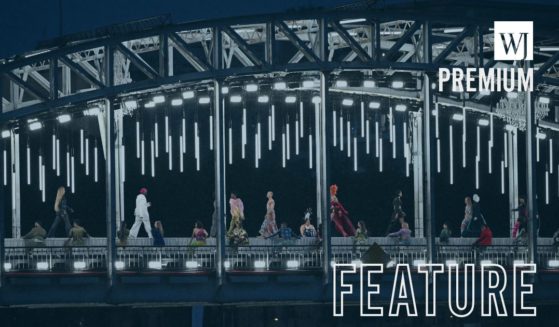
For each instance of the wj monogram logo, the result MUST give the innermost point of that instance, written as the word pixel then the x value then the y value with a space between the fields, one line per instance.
pixel 513 40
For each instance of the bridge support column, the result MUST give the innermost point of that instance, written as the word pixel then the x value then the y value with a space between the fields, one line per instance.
pixel 2 221
pixel 322 176
pixel 530 173
pixel 417 144
pixel 512 165
pixel 219 159
pixel 16 186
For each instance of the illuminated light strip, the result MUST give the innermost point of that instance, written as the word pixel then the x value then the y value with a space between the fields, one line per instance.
pixel 197 144
pixel 502 177
pixel 230 145
pixel 138 139
pixel 288 141
pixel 301 116
pixel 537 149
pixel 269 132
pixel 123 163
pixel 170 153
pixel 81 147
pixel 43 194
pixel 181 157
pixel 259 129
pixel 391 119
pixel 310 151
pixel 354 153
pixel 436 119
pixel 550 155
pixel 334 127
pixel 156 138
pixel 341 132
pixel 438 155
pixel 380 155
pixel 166 133
pixel 506 142
pixel 451 154
pixel 183 127
pixel 464 137
pixel 96 163
pixel 367 137
pixel 490 147
pixel 376 139
pixel 211 132
pixel 53 151
pixel 72 174
pixel 362 119
pixel 348 137
pixel 67 167
pixel 546 187
pixel 273 123
pixel 28 165
pixel 297 137
pixel 405 138
pixel 244 133
pixel 87 156
pixel 143 156
pixel 5 159
pixel 393 141
pixel 152 157
pixel 283 149
pixel 40 165
pixel 57 156
pixel 256 150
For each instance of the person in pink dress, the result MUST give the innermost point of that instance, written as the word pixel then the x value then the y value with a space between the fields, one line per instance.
pixel 339 214
pixel 237 212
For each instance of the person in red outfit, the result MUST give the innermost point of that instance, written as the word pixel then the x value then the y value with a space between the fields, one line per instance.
pixel 485 237
pixel 339 214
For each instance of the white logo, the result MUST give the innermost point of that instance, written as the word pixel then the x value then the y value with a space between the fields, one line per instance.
pixel 513 40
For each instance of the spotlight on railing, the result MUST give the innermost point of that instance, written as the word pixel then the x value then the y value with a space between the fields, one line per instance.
pixel 204 100
pixel 225 90
pixel 176 102
pixel 451 262
pixel 358 263
pixel 401 107
pixel 119 265
pixel 35 126
pixel 64 118
pixel 341 83
pixel 227 264
pixel 418 262
pixel 159 99
pixel 263 99
pixel 483 122
pixel 397 84
pixel 154 265
pixel 374 105
pixel 290 99
pixel 541 135
pixel 280 86
pixel 347 102
pixel 94 111
pixel 458 117
pixel 188 94
pixel 251 87
pixel 7 266
pixel 131 104
pixel 369 84
pixel 553 263
pixel 79 265
pixel 543 100
pixel 293 264
pixel 308 84
pixel 5 134
pixel 42 265
pixel 519 262
pixel 236 98
pixel 259 264
pixel 149 104
pixel 191 264
pixel 316 99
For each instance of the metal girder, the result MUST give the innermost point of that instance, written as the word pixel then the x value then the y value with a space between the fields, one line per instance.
pixel 137 61
pixel 80 71
pixel 538 74
pixel 465 33
pixel 26 86
pixel 243 45
pixel 354 45
pixel 297 42
pixel 182 48
pixel 402 40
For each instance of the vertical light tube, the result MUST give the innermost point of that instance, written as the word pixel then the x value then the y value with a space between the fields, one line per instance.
pixel 230 145
pixel 546 187
pixel 81 146
pixel 391 119
pixel 296 137
pixel 43 193
pixel 183 123
pixel 256 150
pixel 138 139
pixel 362 119
pixel 394 141
pixel 288 142
pixel 376 139
pixel 367 136
pixel 341 131
pixel 506 147
pixel 335 130
pixel 283 150
pixel 170 153
pixel 438 155
pixel 302 131
pixel 72 175
pixel 53 151
pixel 57 156
pixel 436 119
pixel 152 157
pixel 354 153
pixel 273 123
pixel 537 149
pixel 310 151
pixel 451 154
pixel 156 138
pixel 405 138
pixel 143 156
pixel 40 172
pixel 181 157
pixel 348 137
pixel 87 156
pixel 211 132
pixel 28 165
pixel 96 162
pixel 490 147
pixel 502 176
pixel 67 167
pixel 477 174
pixel 269 132
pixel 123 163
pixel 166 133
pixel 478 145
pixel 380 155
pixel 5 165
pixel 244 133
pixel 197 144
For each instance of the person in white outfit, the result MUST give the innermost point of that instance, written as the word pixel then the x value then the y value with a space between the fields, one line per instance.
pixel 141 213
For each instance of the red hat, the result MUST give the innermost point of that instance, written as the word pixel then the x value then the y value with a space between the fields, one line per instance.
pixel 143 190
